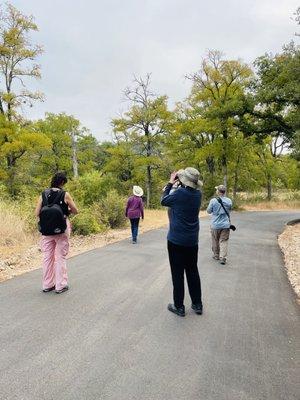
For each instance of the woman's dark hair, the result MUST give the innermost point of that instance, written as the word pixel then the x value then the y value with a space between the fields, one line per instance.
pixel 59 179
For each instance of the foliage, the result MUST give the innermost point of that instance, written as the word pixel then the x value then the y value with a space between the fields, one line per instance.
pixel 86 223
pixel 16 56
pixel 111 210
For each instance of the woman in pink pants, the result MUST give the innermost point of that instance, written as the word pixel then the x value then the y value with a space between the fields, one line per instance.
pixel 55 247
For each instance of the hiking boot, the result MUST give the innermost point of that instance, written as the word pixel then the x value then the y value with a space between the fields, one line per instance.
pixel 64 289
pixel 223 261
pixel 177 310
pixel 49 289
pixel 197 308
pixel 216 258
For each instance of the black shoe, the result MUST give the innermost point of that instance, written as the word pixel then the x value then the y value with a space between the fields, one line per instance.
pixel 197 308
pixel 49 289
pixel 223 261
pixel 64 289
pixel 176 310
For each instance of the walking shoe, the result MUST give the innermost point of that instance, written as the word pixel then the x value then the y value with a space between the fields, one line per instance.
pixel 216 258
pixel 134 242
pixel 49 289
pixel 64 289
pixel 177 310
pixel 197 308
pixel 223 261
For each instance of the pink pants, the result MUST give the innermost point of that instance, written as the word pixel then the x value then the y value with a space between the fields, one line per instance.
pixel 55 249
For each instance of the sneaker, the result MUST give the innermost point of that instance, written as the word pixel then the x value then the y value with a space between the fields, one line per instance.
pixel 197 308
pixel 223 261
pixel 216 258
pixel 134 242
pixel 177 310
pixel 64 289
pixel 49 289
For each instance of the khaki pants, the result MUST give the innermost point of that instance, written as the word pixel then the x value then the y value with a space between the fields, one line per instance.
pixel 220 242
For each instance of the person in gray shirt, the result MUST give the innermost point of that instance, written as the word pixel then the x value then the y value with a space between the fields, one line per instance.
pixel 220 223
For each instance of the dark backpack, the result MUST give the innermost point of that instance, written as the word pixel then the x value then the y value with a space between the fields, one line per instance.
pixel 52 219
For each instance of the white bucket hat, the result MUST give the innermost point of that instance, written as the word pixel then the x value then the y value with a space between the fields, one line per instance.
pixel 138 191
pixel 190 177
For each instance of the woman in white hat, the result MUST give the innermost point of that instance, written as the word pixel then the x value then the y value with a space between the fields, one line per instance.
pixel 135 211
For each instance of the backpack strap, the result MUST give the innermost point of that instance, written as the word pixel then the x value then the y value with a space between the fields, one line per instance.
pixel 56 200
pixel 219 200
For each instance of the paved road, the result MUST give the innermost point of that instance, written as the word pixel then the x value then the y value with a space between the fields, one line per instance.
pixel 111 337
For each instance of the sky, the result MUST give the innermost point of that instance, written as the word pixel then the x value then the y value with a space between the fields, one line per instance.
pixel 92 48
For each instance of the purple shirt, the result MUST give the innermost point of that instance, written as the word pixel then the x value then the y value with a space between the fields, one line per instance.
pixel 134 208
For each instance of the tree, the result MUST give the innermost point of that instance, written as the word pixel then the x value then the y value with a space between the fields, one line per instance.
pixel 219 97
pixel 17 142
pixel 64 131
pixel 17 55
pixel 277 97
pixel 144 127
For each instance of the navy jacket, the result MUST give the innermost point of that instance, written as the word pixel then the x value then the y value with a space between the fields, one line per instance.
pixel 184 205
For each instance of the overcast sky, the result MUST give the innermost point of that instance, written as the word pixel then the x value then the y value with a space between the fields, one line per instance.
pixel 93 47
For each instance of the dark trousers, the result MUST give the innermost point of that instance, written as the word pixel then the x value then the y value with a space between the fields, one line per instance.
pixel 183 258
pixel 134 227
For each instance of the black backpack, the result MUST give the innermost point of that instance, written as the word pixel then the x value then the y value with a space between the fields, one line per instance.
pixel 52 219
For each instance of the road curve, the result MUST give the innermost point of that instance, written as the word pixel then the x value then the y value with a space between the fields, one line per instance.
pixel 111 337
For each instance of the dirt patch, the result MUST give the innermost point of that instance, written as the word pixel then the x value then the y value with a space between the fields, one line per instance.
pixel 289 242
pixel 16 259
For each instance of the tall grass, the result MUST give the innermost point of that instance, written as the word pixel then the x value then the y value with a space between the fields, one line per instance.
pixel 281 199
pixel 14 226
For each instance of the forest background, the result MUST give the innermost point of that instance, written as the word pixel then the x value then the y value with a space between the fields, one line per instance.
pixel 240 125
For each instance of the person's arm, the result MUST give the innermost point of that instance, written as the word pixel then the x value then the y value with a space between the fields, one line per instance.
pixel 209 209
pixel 142 208
pixel 38 207
pixel 71 204
pixel 127 207
pixel 167 199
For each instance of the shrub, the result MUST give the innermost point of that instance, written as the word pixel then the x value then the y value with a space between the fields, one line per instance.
pixel 86 223
pixel 111 210
pixel 89 188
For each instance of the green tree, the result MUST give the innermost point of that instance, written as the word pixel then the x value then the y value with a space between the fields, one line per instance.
pixel 17 56
pixel 144 127
pixel 277 96
pixel 17 143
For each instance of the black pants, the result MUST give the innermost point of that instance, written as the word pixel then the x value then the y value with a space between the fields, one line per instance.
pixel 182 259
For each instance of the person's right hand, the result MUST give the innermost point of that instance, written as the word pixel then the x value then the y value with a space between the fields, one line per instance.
pixel 173 177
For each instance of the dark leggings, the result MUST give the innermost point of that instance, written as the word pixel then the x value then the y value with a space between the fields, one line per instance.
pixel 183 258
pixel 134 227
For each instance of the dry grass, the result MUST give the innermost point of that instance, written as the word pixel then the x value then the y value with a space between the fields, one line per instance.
pixel 13 234
pixel 272 205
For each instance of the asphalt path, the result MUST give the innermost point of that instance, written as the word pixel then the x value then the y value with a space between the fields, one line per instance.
pixel 111 336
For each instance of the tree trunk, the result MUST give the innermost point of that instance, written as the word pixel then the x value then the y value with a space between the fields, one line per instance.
pixel 269 187
pixel 74 156
pixel 225 172
pixel 148 185
pixel 236 178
